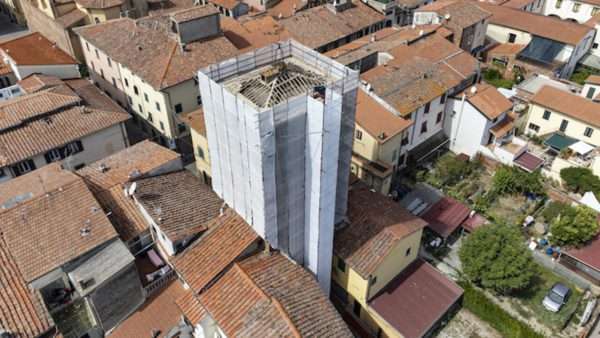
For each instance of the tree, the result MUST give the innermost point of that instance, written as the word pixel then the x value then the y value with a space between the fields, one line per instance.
pixel 451 170
pixel 495 256
pixel 580 179
pixel 511 180
pixel 574 226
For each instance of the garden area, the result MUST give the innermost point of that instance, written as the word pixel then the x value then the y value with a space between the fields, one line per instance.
pixel 494 77
pixel 581 73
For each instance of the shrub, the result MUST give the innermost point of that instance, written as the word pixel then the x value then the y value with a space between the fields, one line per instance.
pixel 494 256
pixel 580 179
pixel 574 226
pixel 511 180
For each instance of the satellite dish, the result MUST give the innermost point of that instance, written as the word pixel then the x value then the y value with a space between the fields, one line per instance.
pixel 131 189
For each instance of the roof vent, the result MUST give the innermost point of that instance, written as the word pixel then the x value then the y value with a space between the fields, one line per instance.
pixel 447 16
pixel 139 48
pixel 103 167
pixel 85 232
pixel 381 136
pixel 5 334
pixel 134 174
pixel 473 90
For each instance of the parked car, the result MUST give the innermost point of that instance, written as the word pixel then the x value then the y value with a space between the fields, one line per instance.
pixel 556 297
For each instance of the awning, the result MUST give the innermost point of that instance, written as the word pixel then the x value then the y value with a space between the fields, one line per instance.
pixel 446 216
pixel 528 161
pixel 589 199
pixel 559 142
pixel 581 147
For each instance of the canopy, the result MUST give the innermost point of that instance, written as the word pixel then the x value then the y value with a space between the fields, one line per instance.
pixel 581 147
pixel 559 142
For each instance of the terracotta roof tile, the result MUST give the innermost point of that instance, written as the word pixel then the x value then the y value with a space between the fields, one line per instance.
pixel 140 159
pixel 287 8
pixel 146 47
pixel 92 96
pixel 36 82
pixel 488 100
pixel 377 120
pixel 376 225
pixel 71 18
pixel 124 213
pixel 159 313
pixel 446 215
pixel 34 49
pixel 319 26
pixel 593 79
pixel 41 135
pixel 298 293
pixel 195 120
pixel 190 306
pixel 5 69
pixel 569 104
pixel 22 311
pixel 45 232
pixel 547 27
pixel 195 12
pixel 462 14
pixel 256 33
pixel 179 203
pixel 228 238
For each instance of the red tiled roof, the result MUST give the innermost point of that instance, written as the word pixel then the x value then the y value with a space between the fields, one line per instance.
pixel 528 161
pixel 35 49
pixel 191 307
pixel 414 301
pixel 22 311
pixel 124 213
pixel 588 254
pixel 199 264
pixel 446 215
pixel 159 313
pixel 376 225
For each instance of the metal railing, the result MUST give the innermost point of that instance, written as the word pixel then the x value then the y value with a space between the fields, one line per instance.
pixel 157 285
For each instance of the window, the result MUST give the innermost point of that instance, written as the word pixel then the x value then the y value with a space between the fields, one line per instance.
pixel 443 99
pixel 341 265
pixel 595 11
pixel 53 156
pixel 181 127
pixel 97 54
pixel 588 132
pixel 108 61
pixel 199 100
pixel 2 173
pixel 424 127
pixel 96 20
pixel 546 115
pixel 358 135
pixel 61 153
pixel 162 126
pixel 129 99
pixel 23 167
pixel 87 46
pixel 92 64
pixel 373 280
pixel 563 125
pixel 404 141
pixel 146 97
pixel 408 251
pixel 126 83
pixel 595 45
pixel 200 152
pixel 438 119
pixel 590 93
pixel 576 7
pixel 135 90
pixel 356 308
pixel 157 106
pixel 178 108
pixel 534 127
pixel 426 109
pixel 102 73
pixel 140 109
pixel 150 117
pixel 114 82
pixel 512 37
pixel 558 3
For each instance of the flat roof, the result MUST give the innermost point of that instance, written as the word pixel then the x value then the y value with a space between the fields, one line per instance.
pixel 417 299
pixel 529 161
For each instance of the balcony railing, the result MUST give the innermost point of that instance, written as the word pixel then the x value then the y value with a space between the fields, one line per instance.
pixel 157 285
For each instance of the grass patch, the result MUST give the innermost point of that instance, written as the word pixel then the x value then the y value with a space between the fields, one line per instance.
pixel 478 303
pixel 532 299
pixel 581 73
pixel 494 77
pixel 511 208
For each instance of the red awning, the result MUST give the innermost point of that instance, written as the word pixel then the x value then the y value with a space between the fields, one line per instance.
pixel 528 161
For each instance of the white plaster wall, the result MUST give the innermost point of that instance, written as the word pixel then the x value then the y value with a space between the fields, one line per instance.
pixel 465 126
pixel 566 10
pixel 419 117
pixel 500 34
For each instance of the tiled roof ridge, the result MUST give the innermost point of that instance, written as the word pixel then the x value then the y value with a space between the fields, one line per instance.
pixel 272 299
pixel 168 63
pixel 20 38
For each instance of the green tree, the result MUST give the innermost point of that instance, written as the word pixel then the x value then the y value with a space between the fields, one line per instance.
pixel 451 170
pixel 494 256
pixel 574 226
pixel 511 180
pixel 580 179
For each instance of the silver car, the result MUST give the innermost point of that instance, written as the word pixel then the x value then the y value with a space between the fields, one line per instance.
pixel 556 297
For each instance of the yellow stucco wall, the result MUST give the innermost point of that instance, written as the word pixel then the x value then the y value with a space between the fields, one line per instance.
pixel 367 146
pixel 199 141
pixel 575 128
pixel 359 289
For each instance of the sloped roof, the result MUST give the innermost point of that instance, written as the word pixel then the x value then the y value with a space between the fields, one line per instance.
pixel 488 100
pixel 22 310
pixel 45 231
pixel 179 203
pixel 130 163
pixel 544 26
pixel 445 216
pixel 377 120
pixel 570 104
pixel 99 4
pixel 36 82
pixel 34 49
pixel 146 47
pixel 318 26
pixel 206 258
pixel 462 14
pixel 124 213
pixel 376 224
